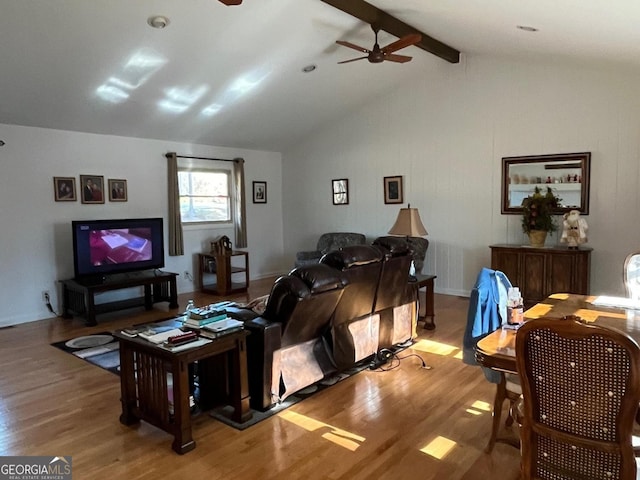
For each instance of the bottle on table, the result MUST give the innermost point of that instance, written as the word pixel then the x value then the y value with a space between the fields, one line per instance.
pixel 515 307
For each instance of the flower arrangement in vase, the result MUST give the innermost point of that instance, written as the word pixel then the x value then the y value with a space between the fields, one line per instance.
pixel 537 218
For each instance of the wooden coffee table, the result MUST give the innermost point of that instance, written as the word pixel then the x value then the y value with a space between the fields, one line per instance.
pixel 145 369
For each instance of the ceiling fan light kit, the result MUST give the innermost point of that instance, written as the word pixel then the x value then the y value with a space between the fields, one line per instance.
pixel 379 55
pixel 374 16
pixel 229 3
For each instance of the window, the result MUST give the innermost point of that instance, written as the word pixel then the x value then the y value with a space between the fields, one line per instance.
pixel 204 195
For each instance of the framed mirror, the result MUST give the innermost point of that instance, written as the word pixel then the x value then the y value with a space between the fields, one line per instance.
pixel 566 173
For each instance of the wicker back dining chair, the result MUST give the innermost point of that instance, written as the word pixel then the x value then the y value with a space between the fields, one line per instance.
pixel 581 390
pixel 632 275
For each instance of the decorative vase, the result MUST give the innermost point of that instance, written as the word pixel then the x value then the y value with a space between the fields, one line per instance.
pixel 537 238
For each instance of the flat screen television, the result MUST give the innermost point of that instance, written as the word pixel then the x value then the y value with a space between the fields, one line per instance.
pixel 105 247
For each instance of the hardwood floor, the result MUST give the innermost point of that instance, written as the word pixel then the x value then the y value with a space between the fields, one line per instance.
pixel 407 423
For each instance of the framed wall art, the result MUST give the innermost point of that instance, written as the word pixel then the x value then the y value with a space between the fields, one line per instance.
pixel 259 192
pixel 92 187
pixel 64 189
pixel 340 188
pixel 117 190
pixel 393 189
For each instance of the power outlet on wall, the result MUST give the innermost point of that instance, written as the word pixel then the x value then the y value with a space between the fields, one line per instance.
pixel 187 275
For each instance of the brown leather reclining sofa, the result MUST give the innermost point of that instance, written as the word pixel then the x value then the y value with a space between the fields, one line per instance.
pixel 327 317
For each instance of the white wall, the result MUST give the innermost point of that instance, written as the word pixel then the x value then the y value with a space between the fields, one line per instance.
pixel 446 133
pixel 36 250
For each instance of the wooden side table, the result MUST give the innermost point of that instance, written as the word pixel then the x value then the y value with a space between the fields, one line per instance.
pixel 426 282
pixel 223 268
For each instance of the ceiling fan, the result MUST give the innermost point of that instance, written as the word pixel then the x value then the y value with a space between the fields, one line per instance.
pixel 379 55
pixel 231 2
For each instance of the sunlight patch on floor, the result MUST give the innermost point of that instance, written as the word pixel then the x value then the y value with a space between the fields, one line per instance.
pixel 437 348
pixel 478 408
pixel 340 437
pixel 439 447
pixel 481 405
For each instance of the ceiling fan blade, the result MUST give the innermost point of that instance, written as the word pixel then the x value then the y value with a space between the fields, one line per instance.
pixel 397 58
pixel 353 59
pixel 231 2
pixel 402 43
pixel 352 45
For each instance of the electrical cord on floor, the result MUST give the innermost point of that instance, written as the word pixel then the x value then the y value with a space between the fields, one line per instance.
pixel 424 364
pixel 47 302
pixel 385 356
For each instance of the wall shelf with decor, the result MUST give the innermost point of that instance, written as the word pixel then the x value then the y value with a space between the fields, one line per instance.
pixel 560 187
pixel 569 192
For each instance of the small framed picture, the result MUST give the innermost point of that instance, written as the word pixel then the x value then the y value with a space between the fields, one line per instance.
pixel 393 190
pixel 117 190
pixel 340 189
pixel 64 189
pixel 92 187
pixel 259 192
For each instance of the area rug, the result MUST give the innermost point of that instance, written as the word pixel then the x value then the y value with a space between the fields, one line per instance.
pixel 223 413
pixel 101 349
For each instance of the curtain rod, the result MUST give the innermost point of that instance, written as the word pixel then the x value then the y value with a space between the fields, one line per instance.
pixel 201 158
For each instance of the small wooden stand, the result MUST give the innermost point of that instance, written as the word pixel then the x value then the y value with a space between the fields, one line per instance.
pixel 220 266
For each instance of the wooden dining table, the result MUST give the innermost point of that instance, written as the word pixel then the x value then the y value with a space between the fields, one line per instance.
pixel 498 349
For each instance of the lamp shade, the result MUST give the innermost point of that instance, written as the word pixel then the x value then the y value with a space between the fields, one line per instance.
pixel 408 223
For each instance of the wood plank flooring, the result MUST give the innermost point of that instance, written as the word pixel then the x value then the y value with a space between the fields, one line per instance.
pixel 405 423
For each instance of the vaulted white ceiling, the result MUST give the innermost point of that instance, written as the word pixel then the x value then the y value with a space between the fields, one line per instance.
pixel 232 76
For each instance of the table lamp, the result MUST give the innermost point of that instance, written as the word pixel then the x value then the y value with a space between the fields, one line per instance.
pixel 408 224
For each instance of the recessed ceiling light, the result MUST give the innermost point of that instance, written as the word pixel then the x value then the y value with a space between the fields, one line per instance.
pixel 309 68
pixel 158 21
pixel 526 28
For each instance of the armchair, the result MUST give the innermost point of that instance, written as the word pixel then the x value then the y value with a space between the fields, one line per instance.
pixel 417 245
pixel 329 242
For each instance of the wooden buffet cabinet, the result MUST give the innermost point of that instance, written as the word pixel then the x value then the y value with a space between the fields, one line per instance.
pixel 540 272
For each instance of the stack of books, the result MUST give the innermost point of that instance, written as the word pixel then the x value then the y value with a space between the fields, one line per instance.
pixel 220 328
pixel 199 317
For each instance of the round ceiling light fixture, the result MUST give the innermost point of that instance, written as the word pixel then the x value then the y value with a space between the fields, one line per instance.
pixel 309 68
pixel 526 28
pixel 158 21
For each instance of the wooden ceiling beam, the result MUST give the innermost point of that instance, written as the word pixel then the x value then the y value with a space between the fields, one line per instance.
pixel 373 15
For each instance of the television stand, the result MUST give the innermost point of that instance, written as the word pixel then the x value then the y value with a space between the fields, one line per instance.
pixel 78 295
